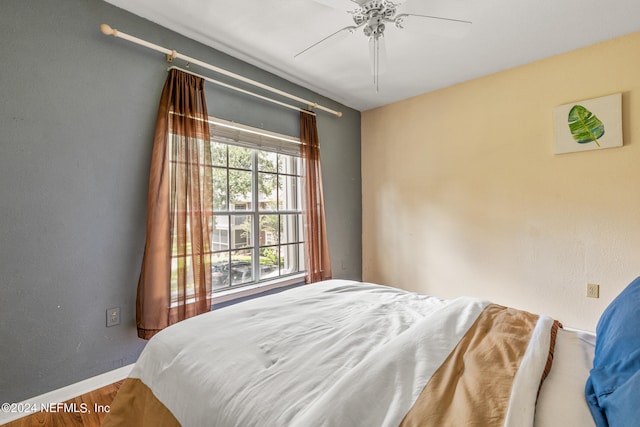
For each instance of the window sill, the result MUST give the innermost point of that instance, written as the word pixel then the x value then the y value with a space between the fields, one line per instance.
pixel 245 291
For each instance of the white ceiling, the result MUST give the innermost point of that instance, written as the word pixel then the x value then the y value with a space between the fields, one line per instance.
pixel 504 34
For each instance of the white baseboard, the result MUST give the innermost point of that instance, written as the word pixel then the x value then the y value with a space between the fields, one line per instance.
pixel 63 394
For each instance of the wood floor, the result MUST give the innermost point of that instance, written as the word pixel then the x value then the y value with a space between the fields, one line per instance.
pixel 87 410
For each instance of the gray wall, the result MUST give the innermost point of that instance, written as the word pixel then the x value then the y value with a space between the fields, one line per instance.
pixel 77 114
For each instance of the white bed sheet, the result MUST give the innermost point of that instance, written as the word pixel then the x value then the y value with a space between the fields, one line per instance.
pixel 561 401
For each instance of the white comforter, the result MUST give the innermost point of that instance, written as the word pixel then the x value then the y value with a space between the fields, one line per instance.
pixel 337 353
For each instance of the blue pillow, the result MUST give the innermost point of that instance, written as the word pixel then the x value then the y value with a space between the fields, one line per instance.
pixel 613 387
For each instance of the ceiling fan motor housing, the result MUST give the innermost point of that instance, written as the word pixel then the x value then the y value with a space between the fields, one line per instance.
pixel 374 13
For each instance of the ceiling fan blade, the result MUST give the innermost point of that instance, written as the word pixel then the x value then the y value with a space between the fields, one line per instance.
pixel 448 27
pixel 343 31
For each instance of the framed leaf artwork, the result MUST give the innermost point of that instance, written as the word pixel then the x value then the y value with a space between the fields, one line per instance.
pixel 592 124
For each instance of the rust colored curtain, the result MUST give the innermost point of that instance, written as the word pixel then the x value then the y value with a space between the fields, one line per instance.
pixel 175 279
pixel 318 263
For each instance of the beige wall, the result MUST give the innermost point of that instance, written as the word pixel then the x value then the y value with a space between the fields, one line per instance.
pixel 462 194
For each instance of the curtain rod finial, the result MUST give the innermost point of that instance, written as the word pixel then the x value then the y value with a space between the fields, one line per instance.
pixel 107 30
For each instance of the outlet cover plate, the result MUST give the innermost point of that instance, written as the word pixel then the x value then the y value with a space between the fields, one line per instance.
pixel 593 290
pixel 113 316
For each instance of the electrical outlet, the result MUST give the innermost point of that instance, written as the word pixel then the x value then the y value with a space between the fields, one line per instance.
pixel 593 290
pixel 113 316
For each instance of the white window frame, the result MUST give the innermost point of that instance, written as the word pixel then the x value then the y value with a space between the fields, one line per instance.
pixel 232 133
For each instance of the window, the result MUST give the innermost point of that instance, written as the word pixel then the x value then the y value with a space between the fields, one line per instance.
pixel 256 225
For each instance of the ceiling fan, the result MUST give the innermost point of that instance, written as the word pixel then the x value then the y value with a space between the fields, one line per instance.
pixel 372 16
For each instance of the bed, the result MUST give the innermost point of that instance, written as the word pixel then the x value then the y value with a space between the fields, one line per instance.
pixel 346 353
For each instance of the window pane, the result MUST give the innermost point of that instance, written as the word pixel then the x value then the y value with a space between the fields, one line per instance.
pixel 291 259
pixel 289 196
pixel 220 189
pixel 267 162
pixel 291 228
pixel 268 230
pixel 269 261
pixel 241 270
pixel 239 189
pixel 241 231
pixel 181 267
pixel 239 157
pixel 289 164
pixel 219 154
pixel 220 270
pixel 220 233
pixel 174 278
pixel 268 193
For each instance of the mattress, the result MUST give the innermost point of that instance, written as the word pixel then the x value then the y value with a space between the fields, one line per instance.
pixel 562 401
